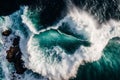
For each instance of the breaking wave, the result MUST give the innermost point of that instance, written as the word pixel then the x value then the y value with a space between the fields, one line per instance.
pixel 63 50
pixel 48 57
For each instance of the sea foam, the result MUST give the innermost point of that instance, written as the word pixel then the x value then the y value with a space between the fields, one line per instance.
pixel 98 36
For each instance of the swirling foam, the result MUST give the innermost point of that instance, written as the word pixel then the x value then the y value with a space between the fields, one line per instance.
pixel 99 35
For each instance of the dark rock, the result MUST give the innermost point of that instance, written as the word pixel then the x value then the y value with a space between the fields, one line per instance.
pixel 11 53
pixel 14 50
pixel 19 66
pixel 6 32
pixel 14 55
pixel 16 41
pixel 9 56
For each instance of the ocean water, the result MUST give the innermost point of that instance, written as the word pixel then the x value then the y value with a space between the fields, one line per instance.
pixel 82 43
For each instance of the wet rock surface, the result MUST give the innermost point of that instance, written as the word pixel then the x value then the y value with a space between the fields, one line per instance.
pixel 6 32
pixel 16 41
pixel 14 53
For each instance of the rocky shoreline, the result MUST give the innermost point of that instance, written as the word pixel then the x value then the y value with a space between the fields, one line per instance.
pixel 14 53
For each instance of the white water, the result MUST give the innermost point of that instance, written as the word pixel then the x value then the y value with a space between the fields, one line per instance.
pixel 12 22
pixel 99 35
pixel 5 44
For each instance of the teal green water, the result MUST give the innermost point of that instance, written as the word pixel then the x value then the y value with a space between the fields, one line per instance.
pixel 52 38
pixel 21 28
pixel 34 18
pixel 2 76
pixel 65 28
pixel 107 68
pixel 1 70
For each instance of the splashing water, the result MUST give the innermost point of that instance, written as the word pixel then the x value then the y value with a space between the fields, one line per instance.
pixel 81 23
pixel 73 47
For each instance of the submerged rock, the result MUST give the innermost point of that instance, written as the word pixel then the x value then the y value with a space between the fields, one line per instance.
pixel 6 32
pixel 20 69
pixel 16 41
pixel 11 53
pixel 14 55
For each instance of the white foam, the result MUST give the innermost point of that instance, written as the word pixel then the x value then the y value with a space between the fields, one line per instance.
pixel 13 22
pixel 27 21
pixel 31 25
pixel 5 23
pixel 99 35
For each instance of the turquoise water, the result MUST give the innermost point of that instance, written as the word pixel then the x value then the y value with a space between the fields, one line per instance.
pixel 52 38
pixel 33 16
pixel 65 28
pixel 107 68
pixel 2 76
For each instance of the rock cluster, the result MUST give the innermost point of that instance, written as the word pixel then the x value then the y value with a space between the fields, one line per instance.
pixel 14 53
